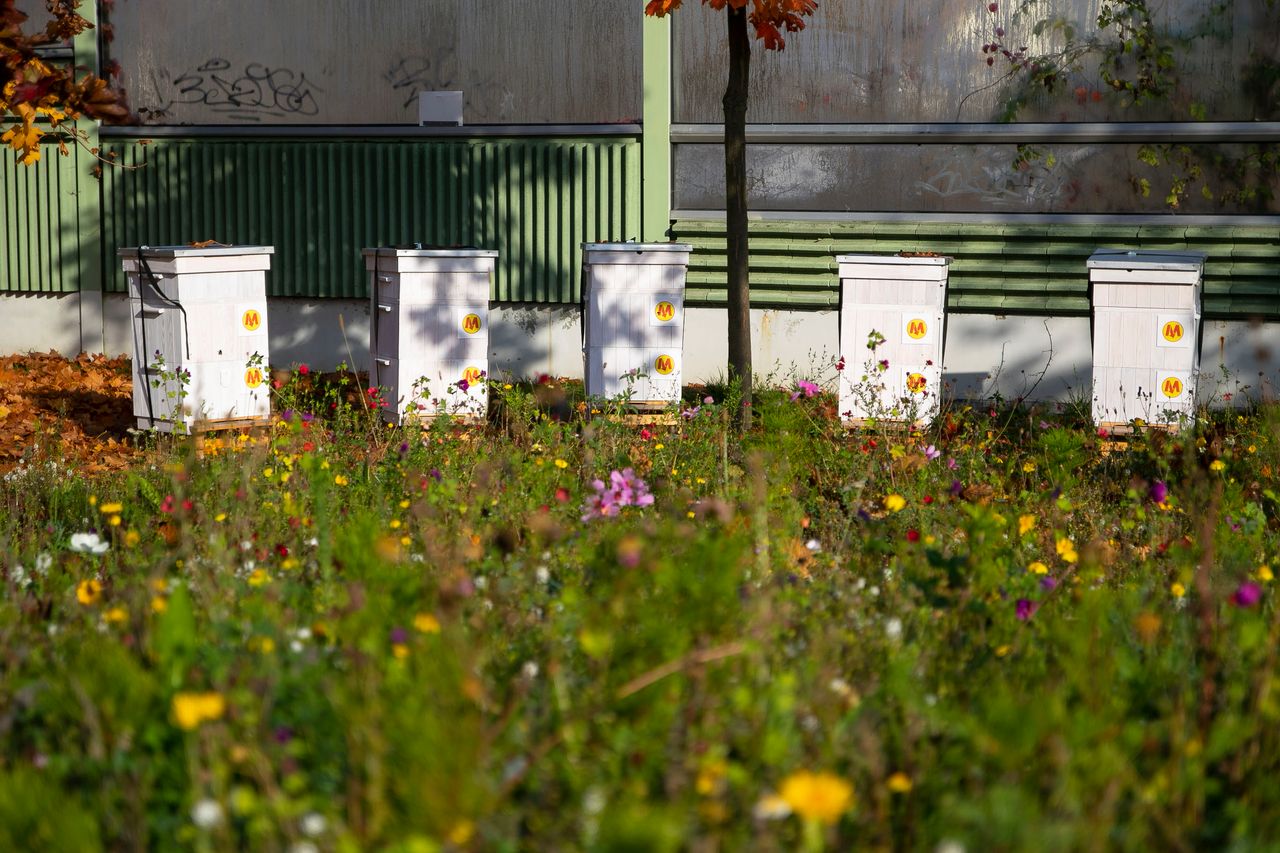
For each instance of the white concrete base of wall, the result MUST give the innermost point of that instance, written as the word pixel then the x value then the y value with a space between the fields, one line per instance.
pixel 1013 357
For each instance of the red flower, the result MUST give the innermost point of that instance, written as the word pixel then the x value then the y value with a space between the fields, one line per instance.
pixel 303 369
pixel 562 494
pixel 308 446
pixel 282 550
pixel 928 499
pixel 913 535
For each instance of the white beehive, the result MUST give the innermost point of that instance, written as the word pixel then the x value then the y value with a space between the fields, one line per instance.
pixel 903 300
pixel 1146 334
pixel 429 331
pixel 633 320
pixel 202 312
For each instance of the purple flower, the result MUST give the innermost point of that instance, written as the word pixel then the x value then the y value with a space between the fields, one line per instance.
pixel 623 489
pixel 286 415
pixel 952 464
pixel 690 414
pixel 1247 595
pixel 1158 491
pixel 956 488
pixel 931 453
pixel 709 400
pixel 1024 608
pixel 462 384
pixel 1048 583
pixel 399 635
pixel 805 388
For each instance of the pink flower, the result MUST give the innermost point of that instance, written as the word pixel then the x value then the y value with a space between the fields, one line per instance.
pixel 623 489
pixel 805 388
pixel 1247 595
pixel 1024 608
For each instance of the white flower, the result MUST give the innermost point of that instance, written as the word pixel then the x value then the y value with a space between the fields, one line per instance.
pixel 18 575
pixel 771 807
pixel 313 824
pixel 304 847
pixel 813 545
pixel 542 575
pixel 206 814
pixel 529 670
pixel 893 628
pixel 43 562
pixel 88 543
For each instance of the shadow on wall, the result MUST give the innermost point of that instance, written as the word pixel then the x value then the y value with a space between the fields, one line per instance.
pixel 1012 357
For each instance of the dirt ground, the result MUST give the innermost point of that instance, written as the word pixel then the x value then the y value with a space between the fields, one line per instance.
pixel 76 409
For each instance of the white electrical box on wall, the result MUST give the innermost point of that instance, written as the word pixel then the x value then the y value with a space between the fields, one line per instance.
pixel 900 302
pixel 200 345
pixel 633 320
pixel 440 108
pixel 1146 335
pixel 429 330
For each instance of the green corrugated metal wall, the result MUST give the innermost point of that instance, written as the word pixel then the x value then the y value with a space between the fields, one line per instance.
pixel 39 221
pixel 320 202
pixel 1003 269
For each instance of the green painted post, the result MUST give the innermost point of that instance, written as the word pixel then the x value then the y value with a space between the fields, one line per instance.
pixel 656 139
pixel 88 189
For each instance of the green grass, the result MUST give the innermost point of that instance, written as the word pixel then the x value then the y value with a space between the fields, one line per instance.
pixel 342 636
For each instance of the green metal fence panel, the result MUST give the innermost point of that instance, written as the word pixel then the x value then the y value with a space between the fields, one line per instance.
pixel 1003 269
pixel 39 220
pixel 319 202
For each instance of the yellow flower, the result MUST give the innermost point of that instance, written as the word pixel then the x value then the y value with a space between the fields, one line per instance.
pixel 899 783
pixel 461 833
pixel 116 615
pixel 131 538
pixel 817 796
pixel 1178 590
pixel 426 623
pixel 1217 465
pixel 268 472
pixel 114 521
pixel 159 604
pixel 1265 573
pixel 1028 467
pixel 192 709
pixel 560 463
pixel 1026 523
pixel 1067 550
pixel 340 480
pixel 113 508
pixel 404 504
pixel 1038 568
pixel 400 650
pixel 659 446
pixel 258 577
pixel 88 591
pixel 894 502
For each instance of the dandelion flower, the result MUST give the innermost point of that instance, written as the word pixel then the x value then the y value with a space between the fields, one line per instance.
pixel 426 623
pixel 1067 550
pixel 190 710
pixel 894 502
pixel 88 591
pixel 113 508
pixel 1217 465
pixel 899 783
pixel 1026 523
pixel 821 796
pixel 1177 590
pixel 1038 568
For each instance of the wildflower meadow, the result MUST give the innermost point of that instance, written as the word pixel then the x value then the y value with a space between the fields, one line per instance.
pixel 561 629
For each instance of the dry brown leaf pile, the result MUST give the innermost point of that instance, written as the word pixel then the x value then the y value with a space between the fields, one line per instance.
pixel 76 408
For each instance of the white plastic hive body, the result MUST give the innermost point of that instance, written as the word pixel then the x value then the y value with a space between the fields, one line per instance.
pixel 1146 334
pixel 218 335
pixel 633 320
pixel 430 330
pixel 902 300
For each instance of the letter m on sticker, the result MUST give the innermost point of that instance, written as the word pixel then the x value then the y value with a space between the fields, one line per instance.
pixel 917 329
pixel 251 319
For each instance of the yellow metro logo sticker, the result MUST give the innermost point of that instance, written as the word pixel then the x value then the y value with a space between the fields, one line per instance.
pixel 664 364
pixel 472 375
pixel 664 311
pixel 253 377
pixel 1172 331
pixel 915 382
pixel 471 324
pixel 1171 387
pixel 917 329
pixel 251 320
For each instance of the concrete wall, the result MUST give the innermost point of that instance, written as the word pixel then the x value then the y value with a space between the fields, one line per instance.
pixel 1037 358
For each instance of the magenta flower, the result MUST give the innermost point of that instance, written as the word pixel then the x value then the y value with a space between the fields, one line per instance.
pixel 1024 608
pixel 1158 491
pixel 805 388
pixel 931 453
pixel 1247 595
pixel 623 489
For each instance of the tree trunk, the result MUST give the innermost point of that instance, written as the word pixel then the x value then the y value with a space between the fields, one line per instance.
pixel 735 191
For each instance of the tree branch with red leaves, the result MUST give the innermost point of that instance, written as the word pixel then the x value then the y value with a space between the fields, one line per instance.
pixel 32 88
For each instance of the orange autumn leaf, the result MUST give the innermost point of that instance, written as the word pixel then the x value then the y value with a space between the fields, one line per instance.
pixel 768 17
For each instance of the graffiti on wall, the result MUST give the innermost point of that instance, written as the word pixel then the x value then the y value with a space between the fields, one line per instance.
pixel 249 92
